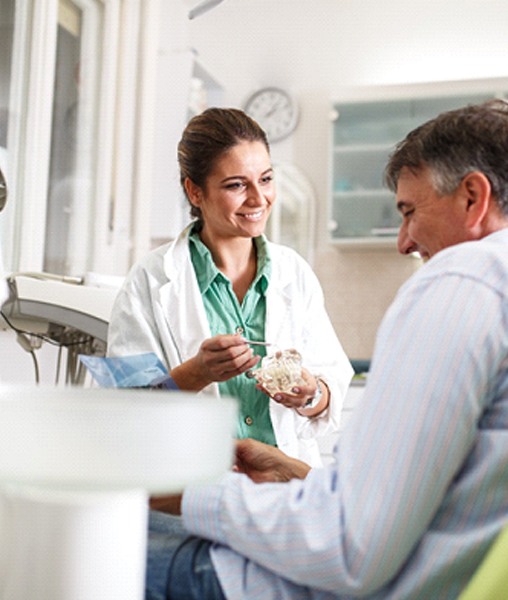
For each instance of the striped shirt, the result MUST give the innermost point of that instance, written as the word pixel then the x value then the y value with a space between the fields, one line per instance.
pixel 419 487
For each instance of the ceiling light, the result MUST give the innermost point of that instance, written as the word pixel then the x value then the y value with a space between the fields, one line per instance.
pixel 203 7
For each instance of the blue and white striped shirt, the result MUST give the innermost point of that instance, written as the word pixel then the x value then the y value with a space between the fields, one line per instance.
pixel 419 487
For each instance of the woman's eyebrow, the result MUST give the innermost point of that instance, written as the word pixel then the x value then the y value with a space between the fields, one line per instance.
pixel 229 177
pixel 232 177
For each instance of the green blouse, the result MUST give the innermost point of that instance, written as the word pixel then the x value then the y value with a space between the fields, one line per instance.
pixel 226 315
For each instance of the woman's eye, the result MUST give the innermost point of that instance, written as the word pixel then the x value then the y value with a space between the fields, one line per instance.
pixel 267 179
pixel 235 185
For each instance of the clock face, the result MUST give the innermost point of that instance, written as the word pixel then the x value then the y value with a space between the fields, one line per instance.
pixel 275 111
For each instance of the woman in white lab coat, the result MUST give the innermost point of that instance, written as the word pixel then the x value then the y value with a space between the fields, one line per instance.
pixel 195 301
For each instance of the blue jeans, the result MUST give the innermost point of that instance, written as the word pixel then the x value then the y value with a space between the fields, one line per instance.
pixel 179 566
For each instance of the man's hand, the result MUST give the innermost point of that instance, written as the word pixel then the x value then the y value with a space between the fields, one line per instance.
pixel 261 462
pixel 264 463
pixel 167 504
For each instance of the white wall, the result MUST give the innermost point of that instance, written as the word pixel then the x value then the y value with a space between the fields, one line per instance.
pixel 17 365
pixel 326 45
pixel 174 70
pixel 320 49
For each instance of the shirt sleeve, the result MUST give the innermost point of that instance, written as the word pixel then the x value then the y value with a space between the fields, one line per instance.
pixel 350 527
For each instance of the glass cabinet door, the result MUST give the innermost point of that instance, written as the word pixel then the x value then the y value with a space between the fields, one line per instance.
pixel 364 134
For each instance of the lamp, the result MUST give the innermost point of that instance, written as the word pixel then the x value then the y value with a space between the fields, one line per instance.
pixel 203 7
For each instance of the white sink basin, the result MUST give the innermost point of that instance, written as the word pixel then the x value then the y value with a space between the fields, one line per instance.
pixel 74 438
pixel 76 468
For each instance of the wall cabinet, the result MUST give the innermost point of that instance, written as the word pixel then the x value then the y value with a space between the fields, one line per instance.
pixel 364 133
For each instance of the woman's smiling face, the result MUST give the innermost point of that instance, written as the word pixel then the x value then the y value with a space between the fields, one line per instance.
pixel 239 192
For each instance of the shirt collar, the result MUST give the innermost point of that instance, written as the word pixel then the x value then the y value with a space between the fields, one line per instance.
pixel 207 272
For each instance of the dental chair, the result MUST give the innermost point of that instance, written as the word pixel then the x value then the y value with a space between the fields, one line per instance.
pixel 490 581
pixel 68 312
pixel 71 313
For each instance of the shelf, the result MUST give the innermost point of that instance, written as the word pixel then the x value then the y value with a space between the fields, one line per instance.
pixel 365 244
pixel 363 148
pixel 367 193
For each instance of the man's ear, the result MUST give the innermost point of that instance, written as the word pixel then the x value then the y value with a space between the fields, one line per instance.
pixel 193 191
pixel 478 191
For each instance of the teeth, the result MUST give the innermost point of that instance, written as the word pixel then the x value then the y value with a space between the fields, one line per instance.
pixel 254 216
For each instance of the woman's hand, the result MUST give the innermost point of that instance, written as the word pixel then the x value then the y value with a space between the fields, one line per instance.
pixel 219 358
pixel 301 394
pixel 264 463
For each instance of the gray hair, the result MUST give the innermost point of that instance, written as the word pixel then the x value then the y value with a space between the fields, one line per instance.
pixel 455 143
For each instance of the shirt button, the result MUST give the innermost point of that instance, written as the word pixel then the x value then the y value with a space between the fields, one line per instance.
pixel 249 420
pixel 239 329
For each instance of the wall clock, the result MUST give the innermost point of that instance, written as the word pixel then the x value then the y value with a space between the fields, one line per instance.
pixel 275 110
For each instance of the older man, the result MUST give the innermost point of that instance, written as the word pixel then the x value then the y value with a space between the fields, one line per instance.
pixel 419 487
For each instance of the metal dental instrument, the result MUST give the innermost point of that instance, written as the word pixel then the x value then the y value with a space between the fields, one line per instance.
pixel 254 343
pixel 249 373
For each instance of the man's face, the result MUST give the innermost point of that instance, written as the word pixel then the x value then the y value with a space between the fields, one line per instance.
pixel 430 222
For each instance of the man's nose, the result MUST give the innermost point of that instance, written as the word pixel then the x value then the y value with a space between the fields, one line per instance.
pixel 405 243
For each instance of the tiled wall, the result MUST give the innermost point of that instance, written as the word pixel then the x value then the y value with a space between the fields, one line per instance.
pixel 359 285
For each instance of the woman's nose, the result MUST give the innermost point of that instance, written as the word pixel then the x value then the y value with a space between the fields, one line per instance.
pixel 255 195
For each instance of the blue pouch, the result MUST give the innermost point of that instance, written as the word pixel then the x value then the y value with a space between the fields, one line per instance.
pixel 138 371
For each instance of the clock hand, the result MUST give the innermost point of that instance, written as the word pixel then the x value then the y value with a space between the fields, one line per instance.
pixel 274 107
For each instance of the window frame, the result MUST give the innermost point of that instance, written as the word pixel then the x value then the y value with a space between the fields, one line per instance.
pixel 123 91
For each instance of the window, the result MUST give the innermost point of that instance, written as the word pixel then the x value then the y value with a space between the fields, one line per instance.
pixel 75 101
pixel 71 153
pixel 6 37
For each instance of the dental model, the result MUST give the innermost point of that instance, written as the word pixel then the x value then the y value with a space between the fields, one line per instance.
pixel 279 372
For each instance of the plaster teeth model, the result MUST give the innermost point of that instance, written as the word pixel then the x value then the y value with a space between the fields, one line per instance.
pixel 280 372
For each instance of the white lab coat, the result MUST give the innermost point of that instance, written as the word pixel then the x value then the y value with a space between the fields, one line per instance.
pixel 159 309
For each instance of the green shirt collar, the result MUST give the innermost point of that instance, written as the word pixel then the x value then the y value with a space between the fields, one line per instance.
pixel 207 271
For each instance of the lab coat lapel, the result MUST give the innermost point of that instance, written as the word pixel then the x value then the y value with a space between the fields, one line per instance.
pixel 278 309
pixel 181 301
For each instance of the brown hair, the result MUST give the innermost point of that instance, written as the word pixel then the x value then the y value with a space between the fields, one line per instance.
pixel 207 137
